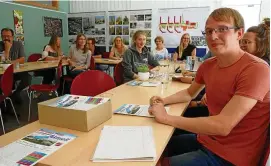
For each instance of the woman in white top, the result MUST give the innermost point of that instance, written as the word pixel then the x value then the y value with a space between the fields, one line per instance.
pixel 118 49
pixel 51 52
pixel 160 52
pixel 79 55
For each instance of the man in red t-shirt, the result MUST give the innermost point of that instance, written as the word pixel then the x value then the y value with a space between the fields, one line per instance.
pixel 237 88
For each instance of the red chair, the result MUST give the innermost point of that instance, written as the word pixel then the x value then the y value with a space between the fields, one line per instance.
pixel 45 87
pixel 92 83
pixel 6 87
pixel 70 79
pixel 118 74
pixel 34 57
pixel 105 54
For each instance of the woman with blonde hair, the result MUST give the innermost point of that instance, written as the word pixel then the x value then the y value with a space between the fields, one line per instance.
pixel 51 52
pixel 185 48
pixel 79 55
pixel 160 52
pixel 137 55
pixel 118 49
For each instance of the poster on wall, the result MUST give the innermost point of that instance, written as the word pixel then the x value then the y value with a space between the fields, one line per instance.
pixel 126 23
pixel 91 24
pixel 52 26
pixel 18 22
pixel 173 23
pixel 20 38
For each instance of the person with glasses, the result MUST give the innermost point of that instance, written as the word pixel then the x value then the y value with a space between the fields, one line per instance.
pixel 185 48
pixel 14 51
pixel 237 88
pixel 160 52
pixel 256 41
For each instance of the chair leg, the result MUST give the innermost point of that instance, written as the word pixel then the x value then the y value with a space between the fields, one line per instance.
pixel 5 103
pixel 63 86
pixel 2 122
pixel 29 107
pixel 13 110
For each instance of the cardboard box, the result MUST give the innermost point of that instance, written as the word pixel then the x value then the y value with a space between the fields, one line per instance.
pixel 74 118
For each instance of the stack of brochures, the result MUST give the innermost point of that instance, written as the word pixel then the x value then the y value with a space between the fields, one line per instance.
pixel 125 143
pixel 78 102
pixel 135 109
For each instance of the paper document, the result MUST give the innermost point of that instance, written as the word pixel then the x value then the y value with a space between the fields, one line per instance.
pixel 134 109
pixel 125 143
pixel 79 102
pixel 33 148
pixel 146 84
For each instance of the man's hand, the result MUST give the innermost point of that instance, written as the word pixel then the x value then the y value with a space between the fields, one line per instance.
pixel 7 45
pixel 156 99
pixel 204 100
pixel 159 112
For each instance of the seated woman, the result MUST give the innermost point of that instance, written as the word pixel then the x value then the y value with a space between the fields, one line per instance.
pixel 160 52
pixel 51 52
pixel 137 55
pixel 118 49
pixel 185 48
pixel 256 41
pixel 79 55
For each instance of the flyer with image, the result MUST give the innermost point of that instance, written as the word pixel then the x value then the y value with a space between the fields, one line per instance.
pixel 78 102
pixel 134 109
pixel 33 148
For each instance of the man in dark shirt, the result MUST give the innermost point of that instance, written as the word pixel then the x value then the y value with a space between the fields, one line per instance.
pixel 14 51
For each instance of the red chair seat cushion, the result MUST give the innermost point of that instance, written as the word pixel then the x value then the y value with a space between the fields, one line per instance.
pixel 43 87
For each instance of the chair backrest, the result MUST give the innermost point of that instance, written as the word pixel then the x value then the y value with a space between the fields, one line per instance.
pixel 34 57
pixel 106 54
pixel 7 81
pixel 58 73
pixel 92 83
pixel 118 74
pixel 92 63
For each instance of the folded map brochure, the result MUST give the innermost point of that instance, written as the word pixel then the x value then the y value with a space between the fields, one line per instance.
pixel 34 147
pixel 147 84
pixel 125 143
pixel 134 109
pixel 79 102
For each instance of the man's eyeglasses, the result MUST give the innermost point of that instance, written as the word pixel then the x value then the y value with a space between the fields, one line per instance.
pixel 6 36
pixel 219 30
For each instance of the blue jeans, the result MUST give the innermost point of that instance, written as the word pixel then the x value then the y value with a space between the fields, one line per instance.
pixel 75 73
pixel 185 150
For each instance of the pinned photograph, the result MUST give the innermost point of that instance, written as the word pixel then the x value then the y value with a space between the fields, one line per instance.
pixel 147 25
pixel 88 25
pixel 75 25
pixel 125 40
pixel 18 22
pixel 148 42
pixel 133 17
pixel 125 20
pixel 52 26
pixel 125 30
pixel 112 30
pixel 111 40
pixel 99 20
pixel 100 31
pixel 140 17
pixel 133 25
pixel 112 20
pixel 20 38
pixel 147 17
pixel 118 30
pixel 100 40
pixel 118 20
pixel 148 33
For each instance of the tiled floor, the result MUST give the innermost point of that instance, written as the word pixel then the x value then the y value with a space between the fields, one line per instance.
pixel 10 122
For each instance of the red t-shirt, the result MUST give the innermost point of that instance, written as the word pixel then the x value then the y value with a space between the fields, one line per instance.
pixel 249 77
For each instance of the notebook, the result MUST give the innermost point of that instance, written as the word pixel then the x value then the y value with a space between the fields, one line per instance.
pixel 125 143
pixel 135 109
pixel 146 84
